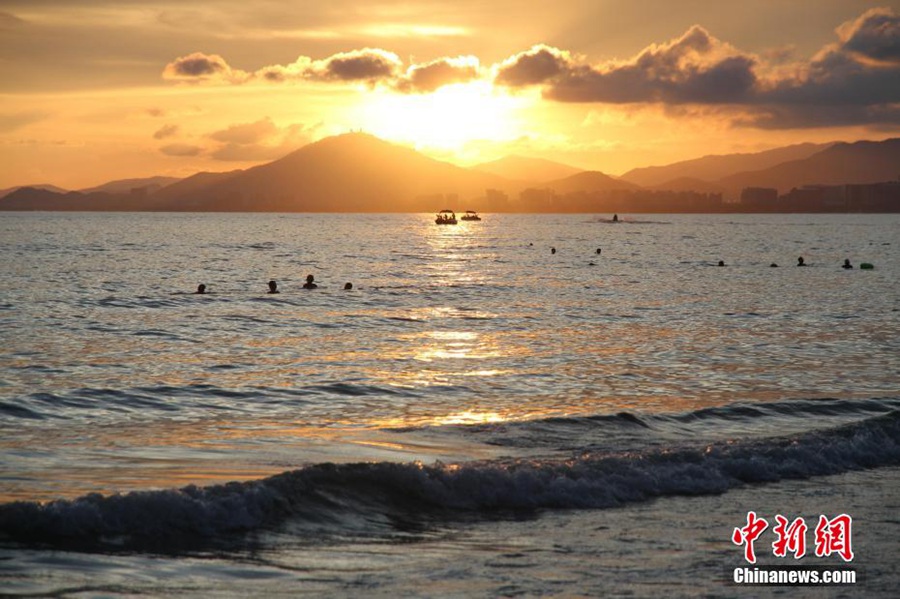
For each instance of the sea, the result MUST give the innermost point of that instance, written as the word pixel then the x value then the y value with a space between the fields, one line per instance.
pixel 527 405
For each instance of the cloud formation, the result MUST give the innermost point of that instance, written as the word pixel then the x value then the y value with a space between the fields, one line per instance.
pixel 260 140
pixel 199 67
pixel 695 68
pixel 166 131
pixel 181 150
pixel 428 77
pixel 533 67
pixel 855 80
pixel 372 66
pixel 874 35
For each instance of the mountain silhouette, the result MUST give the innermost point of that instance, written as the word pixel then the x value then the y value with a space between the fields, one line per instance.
pixel 715 167
pixel 148 184
pixel 528 170
pixel 588 181
pixel 354 172
pixel 688 184
pixel 43 186
pixel 841 163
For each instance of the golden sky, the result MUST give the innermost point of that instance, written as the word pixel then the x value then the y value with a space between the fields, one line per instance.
pixel 96 90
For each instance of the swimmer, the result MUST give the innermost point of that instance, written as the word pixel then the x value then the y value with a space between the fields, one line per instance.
pixel 348 286
pixel 201 289
pixel 598 251
pixel 273 287
pixel 800 261
pixel 552 250
pixel 847 264
pixel 773 265
pixel 721 263
pixel 309 283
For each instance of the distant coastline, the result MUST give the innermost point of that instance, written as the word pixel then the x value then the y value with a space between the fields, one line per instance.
pixel 360 173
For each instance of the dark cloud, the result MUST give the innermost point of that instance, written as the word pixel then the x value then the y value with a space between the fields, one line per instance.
pixel 855 81
pixel 201 67
pixel 367 64
pixel 883 117
pixel 433 75
pixel 836 78
pixel 533 67
pixel 695 68
pixel 874 35
pixel 166 131
pixel 181 150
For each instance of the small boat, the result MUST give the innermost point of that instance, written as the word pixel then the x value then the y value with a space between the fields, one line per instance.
pixel 445 217
pixel 470 215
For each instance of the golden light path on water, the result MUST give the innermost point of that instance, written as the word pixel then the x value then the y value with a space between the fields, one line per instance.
pixel 475 325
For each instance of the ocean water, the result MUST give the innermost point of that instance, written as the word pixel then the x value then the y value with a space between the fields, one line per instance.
pixel 478 416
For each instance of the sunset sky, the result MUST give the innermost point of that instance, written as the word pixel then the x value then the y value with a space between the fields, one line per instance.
pixel 96 90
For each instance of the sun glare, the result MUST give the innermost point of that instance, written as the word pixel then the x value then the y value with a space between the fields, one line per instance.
pixel 446 119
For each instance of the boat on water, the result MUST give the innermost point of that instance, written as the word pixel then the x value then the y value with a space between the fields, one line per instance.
pixel 445 217
pixel 470 215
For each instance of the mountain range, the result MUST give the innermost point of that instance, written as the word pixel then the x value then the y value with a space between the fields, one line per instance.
pixel 356 172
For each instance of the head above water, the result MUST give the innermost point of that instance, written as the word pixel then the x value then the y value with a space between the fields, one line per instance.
pixel 348 286
pixel 201 288
pixel 273 287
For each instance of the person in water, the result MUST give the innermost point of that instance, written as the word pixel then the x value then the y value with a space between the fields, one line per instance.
pixel 309 283
pixel 598 251
pixel 615 218
pixel 800 261
pixel 201 289
pixel 847 264
pixel 348 286
pixel 721 263
pixel 273 287
pixel 552 250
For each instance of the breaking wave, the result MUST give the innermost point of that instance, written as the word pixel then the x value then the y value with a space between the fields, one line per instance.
pixel 327 498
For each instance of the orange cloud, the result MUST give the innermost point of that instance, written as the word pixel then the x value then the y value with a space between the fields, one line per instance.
pixel 181 150
pixel 166 131
pixel 853 82
pixel 431 76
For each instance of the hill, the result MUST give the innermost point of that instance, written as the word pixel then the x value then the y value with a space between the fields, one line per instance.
pixel 148 184
pixel 43 186
pixel 31 198
pixel 529 170
pixel 689 184
pixel 354 172
pixel 588 181
pixel 842 163
pixel 716 167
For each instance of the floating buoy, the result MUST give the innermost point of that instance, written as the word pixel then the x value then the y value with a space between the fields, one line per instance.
pixel 867 266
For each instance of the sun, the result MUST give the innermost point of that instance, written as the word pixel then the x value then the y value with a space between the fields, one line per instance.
pixel 446 119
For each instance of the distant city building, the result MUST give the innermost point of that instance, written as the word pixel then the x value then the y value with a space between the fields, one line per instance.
pixel 759 197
